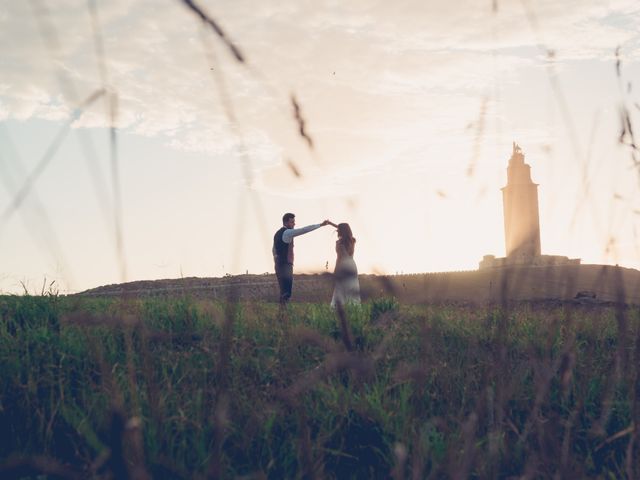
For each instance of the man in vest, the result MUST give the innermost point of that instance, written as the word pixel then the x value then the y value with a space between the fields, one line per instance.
pixel 283 252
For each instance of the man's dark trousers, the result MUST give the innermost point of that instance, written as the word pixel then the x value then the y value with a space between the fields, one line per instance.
pixel 284 274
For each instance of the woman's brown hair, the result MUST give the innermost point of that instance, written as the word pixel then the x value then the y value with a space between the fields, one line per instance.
pixel 345 237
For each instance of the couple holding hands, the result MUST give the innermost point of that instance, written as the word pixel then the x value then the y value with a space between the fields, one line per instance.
pixel 347 287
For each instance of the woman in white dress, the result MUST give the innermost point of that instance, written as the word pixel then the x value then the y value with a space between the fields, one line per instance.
pixel 347 286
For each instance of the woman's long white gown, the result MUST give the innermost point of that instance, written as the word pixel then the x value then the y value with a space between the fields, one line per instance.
pixel 347 286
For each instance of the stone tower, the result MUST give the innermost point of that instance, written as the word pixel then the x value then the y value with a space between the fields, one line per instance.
pixel 521 218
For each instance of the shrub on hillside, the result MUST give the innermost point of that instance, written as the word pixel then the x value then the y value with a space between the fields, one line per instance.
pixel 383 305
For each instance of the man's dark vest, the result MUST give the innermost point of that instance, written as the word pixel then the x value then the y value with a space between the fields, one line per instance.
pixel 281 248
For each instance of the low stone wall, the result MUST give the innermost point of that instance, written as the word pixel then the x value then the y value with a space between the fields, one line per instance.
pixel 309 288
pixel 608 283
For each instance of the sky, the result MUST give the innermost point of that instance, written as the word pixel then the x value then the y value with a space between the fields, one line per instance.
pixel 135 146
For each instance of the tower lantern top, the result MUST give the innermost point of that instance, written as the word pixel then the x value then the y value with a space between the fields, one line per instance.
pixel 518 172
pixel 517 155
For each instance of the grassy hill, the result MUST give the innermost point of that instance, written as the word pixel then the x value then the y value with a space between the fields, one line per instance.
pixel 176 388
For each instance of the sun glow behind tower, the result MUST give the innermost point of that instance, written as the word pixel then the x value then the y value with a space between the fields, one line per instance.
pixel 522 220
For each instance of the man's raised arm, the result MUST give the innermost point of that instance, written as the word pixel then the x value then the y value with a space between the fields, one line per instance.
pixel 288 234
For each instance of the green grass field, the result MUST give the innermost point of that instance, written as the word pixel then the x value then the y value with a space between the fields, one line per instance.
pixel 179 388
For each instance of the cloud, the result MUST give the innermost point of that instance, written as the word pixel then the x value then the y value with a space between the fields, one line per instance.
pixel 361 70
